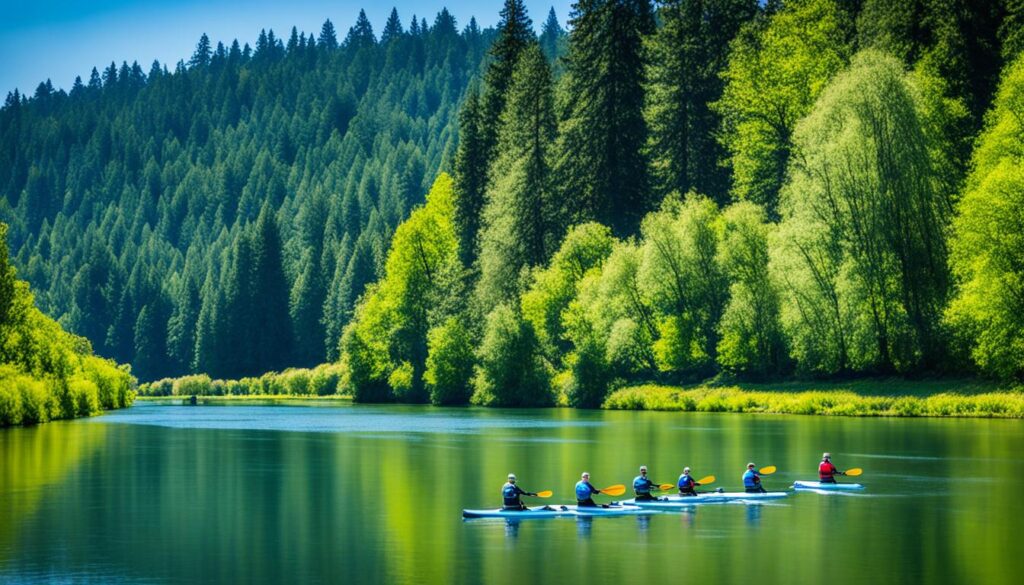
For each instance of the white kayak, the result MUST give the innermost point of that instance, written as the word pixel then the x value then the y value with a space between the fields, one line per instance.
pixel 537 512
pixel 817 485
pixel 670 502
pixel 609 510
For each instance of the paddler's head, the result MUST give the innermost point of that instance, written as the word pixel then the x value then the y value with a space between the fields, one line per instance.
pixel 686 470
pixel 750 465
pixel 585 475
pixel 826 456
pixel 643 470
pixel 511 478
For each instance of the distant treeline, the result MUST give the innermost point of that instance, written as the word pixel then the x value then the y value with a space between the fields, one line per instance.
pixel 323 380
pixel 46 373
pixel 224 214
pixel 798 188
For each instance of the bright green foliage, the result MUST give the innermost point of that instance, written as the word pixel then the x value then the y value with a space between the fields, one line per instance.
pixel 511 369
pixel 450 362
pixel 323 380
pixel 778 66
pixel 988 242
pixel 389 332
pixel 686 56
pixel 46 373
pixel 521 219
pixel 585 247
pixel 861 252
pixel 684 280
pixel 601 168
pixel 752 343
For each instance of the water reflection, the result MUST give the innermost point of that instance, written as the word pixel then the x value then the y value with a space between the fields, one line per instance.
pixel 584 527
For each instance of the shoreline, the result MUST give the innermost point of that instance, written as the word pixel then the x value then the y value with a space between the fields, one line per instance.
pixel 905 399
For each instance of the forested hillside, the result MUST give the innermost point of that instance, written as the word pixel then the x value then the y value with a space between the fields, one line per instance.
pixel 224 214
pixel 718 187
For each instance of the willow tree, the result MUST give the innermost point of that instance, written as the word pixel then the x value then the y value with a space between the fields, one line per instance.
pixel 778 66
pixel 861 253
pixel 988 243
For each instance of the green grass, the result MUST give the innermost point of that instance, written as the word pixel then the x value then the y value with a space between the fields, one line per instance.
pixel 939 398
pixel 267 398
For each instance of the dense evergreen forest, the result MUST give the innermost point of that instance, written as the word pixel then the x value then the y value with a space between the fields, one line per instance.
pixel 669 192
pixel 45 372
pixel 156 213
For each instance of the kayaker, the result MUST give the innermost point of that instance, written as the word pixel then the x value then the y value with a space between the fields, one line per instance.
pixel 686 484
pixel 752 481
pixel 585 492
pixel 642 486
pixel 511 493
pixel 826 471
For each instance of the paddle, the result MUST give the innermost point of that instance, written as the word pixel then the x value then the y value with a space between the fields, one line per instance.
pixel 666 486
pixel 545 494
pixel 855 471
pixel 614 490
pixel 707 480
pixel 767 470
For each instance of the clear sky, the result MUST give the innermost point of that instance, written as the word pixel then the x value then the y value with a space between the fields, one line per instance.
pixel 59 39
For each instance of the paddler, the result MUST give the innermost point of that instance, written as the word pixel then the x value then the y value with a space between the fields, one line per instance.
pixel 686 484
pixel 511 493
pixel 642 486
pixel 752 481
pixel 585 492
pixel 826 471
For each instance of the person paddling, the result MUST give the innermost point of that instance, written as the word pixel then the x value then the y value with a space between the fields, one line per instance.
pixel 642 486
pixel 511 493
pixel 752 481
pixel 585 492
pixel 826 471
pixel 686 484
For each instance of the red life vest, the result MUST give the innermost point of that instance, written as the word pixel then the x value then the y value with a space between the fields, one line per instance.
pixel 826 470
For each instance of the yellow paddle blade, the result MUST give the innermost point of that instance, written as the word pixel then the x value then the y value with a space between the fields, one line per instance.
pixel 854 471
pixel 614 490
pixel 767 470
pixel 707 480
pixel 666 486
pixel 545 494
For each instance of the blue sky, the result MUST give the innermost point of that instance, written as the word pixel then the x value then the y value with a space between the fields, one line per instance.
pixel 59 39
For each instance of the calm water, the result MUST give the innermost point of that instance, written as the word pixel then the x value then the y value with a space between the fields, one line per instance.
pixel 275 494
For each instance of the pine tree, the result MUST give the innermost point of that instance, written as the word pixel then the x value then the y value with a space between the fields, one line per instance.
pixel 470 178
pixel 201 57
pixel 306 308
pixel 515 32
pixel 686 56
pixel 601 166
pixel 361 34
pixel 392 29
pixel 328 37
pixel 181 328
pixel 552 37
pixel 273 336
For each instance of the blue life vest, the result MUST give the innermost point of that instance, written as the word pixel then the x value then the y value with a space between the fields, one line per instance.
pixel 685 481
pixel 750 479
pixel 583 490
pixel 642 485
pixel 510 494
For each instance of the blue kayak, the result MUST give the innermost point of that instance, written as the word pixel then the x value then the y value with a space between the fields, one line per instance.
pixel 538 512
pixel 672 502
pixel 817 485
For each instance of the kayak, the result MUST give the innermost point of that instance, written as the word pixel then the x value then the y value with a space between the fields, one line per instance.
pixel 538 512
pixel 817 485
pixel 671 502
pixel 611 510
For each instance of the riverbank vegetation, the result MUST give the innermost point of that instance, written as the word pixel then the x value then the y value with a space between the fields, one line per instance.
pixel 45 372
pixel 320 381
pixel 887 398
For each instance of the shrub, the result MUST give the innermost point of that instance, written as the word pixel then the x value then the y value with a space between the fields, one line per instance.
pixel 86 396
pixel 197 385
pixel 449 363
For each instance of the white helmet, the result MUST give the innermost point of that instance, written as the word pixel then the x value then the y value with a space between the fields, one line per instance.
pixel 585 474
pixel 643 468
pixel 826 455
pixel 511 477
pixel 686 470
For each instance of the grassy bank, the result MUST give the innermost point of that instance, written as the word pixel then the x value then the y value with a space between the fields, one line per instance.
pixel 252 399
pixel 944 398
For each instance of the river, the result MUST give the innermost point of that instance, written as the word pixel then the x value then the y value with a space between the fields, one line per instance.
pixel 373 494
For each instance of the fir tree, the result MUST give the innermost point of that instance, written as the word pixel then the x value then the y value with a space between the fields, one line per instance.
pixel 470 178
pixel 328 39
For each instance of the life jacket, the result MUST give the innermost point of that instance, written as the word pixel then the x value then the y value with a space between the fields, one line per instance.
pixel 583 490
pixel 685 481
pixel 826 471
pixel 751 479
pixel 642 485
pixel 510 494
